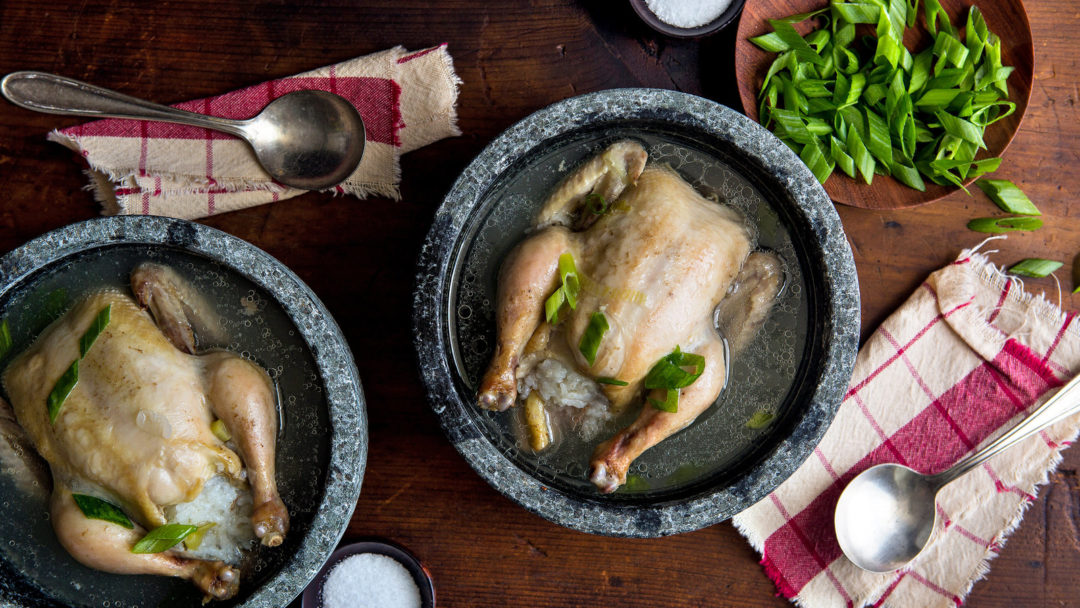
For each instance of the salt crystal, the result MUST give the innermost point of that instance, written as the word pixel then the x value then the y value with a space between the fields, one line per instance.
pixel 370 580
pixel 687 13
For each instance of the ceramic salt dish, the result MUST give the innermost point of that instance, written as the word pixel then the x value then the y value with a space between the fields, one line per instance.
pixel 682 19
pixel 268 315
pixel 371 573
pixel 784 388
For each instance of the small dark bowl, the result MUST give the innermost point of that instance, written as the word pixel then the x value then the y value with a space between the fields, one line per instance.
pixel 725 19
pixel 420 574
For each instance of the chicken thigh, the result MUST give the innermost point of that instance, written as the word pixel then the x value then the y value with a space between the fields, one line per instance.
pixel 656 263
pixel 136 428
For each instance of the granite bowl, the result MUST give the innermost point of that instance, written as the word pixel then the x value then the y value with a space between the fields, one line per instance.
pixel 269 316
pixel 797 369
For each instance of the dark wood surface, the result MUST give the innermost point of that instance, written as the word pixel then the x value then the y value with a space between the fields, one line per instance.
pixel 358 256
pixel 1006 18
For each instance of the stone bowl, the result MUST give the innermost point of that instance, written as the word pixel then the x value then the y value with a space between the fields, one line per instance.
pixel 721 464
pixel 270 316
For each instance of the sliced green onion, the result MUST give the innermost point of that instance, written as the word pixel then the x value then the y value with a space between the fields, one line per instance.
pixel 96 327
pixel 553 304
pixel 1076 274
pixel 668 372
pixel 62 389
pixel 1006 195
pixel 1034 267
pixel 594 333
pixel 596 204
pixel 1004 224
pixel 96 508
pixel 568 290
pixel 670 402
pixel 163 538
pixel 611 381
pixel 5 338
pixel 194 540
pixel 760 419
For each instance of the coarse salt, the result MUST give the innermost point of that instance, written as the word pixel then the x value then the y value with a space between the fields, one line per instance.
pixel 687 13
pixel 370 580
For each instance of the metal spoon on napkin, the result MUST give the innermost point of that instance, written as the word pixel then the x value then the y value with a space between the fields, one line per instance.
pixel 307 139
pixel 885 516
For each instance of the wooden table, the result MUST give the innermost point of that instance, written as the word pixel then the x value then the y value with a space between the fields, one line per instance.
pixel 514 58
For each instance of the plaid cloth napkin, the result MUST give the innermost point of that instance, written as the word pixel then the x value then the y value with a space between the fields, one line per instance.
pixel 966 356
pixel 407 100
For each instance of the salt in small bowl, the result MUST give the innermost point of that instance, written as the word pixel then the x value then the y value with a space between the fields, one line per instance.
pixel 723 20
pixel 312 597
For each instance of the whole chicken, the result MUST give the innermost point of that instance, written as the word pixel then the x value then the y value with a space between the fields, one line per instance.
pixel 663 265
pixel 136 428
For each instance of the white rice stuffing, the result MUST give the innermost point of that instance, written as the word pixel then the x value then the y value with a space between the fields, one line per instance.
pixel 228 505
pixel 561 386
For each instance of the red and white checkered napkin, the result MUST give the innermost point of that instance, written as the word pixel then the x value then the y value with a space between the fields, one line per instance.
pixel 968 354
pixel 407 100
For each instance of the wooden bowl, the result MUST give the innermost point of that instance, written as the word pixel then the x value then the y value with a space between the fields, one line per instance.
pixel 1006 18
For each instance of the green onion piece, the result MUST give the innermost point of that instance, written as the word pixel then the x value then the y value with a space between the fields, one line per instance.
pixel 63 388
pixel 1034 267
pixel 596 204
pixel 594 333
pixel 611 381
pixel 95 508
pixel 668 372
pixel 998 225
pixel 5 339
pixel 194 540
pixel 635 483
pixel 163 538
pixel 1006 195
pixel 760 419
pixel 670 402
pixel 553 304
pixel 568 274
pixel 96 327
pixel 816 161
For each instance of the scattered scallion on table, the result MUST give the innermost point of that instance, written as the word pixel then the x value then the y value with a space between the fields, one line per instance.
pixel 96 508
pixel 1008 196
pixel 1034 267
pixel 869 105
pixel 163 538
pixel 997 225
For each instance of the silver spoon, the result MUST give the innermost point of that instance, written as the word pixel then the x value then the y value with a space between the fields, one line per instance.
pixel 885 516
pixel 306 139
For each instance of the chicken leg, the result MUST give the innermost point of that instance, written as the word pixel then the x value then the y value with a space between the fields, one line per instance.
pixel 107 546
pixel 611 459
pixel 242 396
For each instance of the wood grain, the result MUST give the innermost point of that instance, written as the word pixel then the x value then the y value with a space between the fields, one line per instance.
pixel 1006 18
pixel 514 58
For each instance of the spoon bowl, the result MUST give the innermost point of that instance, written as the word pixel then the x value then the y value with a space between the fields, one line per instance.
pixel 885 517
pixel 306 139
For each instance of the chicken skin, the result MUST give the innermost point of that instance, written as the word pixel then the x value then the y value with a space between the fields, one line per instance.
pixel 659 264
pixel 136 428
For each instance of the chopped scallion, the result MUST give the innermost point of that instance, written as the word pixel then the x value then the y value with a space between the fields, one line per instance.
pixel 611 381
pixel 1034 267
pixel 670 402
pixel 998 225
pixel 760 419
pixel 569 288
pixel 163 538
pixel 5 338
pixel 596 204
pixel 96 508
pixel 96 327
pixel 1006 195
pixel 62 389
pixel 594 333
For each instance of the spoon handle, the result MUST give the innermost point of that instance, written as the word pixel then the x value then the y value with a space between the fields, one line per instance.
pixel 52 94
pixel 1064 403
